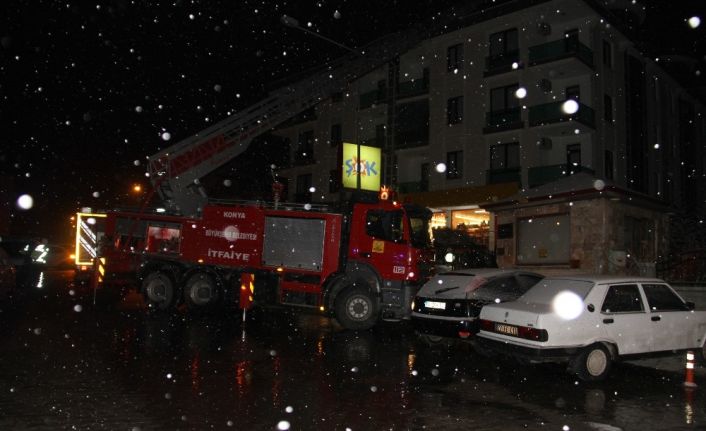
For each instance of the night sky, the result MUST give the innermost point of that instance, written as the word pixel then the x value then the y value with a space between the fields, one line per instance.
pixel 89 88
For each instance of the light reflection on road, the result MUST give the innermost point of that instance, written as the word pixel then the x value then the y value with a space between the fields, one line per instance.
pixel 120 367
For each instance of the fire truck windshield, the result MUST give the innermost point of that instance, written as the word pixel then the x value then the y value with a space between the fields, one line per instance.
pixel 419 225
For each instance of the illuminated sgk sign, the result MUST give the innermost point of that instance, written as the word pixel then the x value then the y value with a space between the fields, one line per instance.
pixel 363 166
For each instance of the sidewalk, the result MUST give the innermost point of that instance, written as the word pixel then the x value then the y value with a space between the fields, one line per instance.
pixel 675 364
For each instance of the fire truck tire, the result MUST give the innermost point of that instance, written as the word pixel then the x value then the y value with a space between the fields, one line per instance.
pixel 356 308
pixel 201 291
pixel 159 291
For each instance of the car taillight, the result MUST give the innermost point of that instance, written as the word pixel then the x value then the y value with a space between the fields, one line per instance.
pixel 532 333
pixel 525 332
pixel 487 325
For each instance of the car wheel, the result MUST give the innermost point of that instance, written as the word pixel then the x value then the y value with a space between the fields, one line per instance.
pixel 201 291
pixel 356 308
pixel 159 291
pixel 593 363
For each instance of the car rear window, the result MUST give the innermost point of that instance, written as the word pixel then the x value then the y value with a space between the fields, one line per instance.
pixel 545 291
pixel 501 289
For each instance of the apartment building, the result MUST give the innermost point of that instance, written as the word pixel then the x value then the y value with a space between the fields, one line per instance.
pixel 486 121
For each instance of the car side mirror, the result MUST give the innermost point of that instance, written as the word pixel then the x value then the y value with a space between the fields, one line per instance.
pixel 591 308
pixel 690 305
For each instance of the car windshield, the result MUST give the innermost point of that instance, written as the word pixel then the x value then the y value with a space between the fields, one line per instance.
pixel 545 291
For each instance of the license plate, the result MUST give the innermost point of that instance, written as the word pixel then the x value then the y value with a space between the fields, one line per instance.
pixel 506 329
pixel 435 305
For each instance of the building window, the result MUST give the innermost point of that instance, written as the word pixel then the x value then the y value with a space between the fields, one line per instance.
pixel 454 165
pixel 573 157
pixel 424 174
pixel 334 181
pixel 505 156
pixel 573 92
pixel 571 40
pixel 336 135
pixel 607 54
pixel 454 57
pixel 305 147
pixel 608 165
pixel 454 110
pixel 380 133
pixel 608 108
pixel 303 188
pixel 503 98
pixel 503 43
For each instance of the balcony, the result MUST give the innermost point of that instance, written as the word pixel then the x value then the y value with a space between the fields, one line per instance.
pixel 560 49
pixel 372 98
pixel 546 174
pixel 497 64
pixel 504 175
pixel 549 113
pixel 413 88
pixel 505 119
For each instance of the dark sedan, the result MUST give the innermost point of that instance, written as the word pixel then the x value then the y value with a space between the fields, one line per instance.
pixel 448 305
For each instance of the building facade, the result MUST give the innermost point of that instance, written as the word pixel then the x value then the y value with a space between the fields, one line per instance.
pixel 517 95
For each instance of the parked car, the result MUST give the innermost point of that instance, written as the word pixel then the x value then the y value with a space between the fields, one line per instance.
pixel 20 255
pixel 8 281
pixel 448 305
pixel 590 322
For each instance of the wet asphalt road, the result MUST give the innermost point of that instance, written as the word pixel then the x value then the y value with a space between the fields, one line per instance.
pixel 66 363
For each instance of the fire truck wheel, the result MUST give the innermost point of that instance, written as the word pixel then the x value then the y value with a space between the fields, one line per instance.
pixel 158 289
pixel 356 308
pixel 201 290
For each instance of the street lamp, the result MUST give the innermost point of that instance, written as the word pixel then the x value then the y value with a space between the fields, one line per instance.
pixel 294 23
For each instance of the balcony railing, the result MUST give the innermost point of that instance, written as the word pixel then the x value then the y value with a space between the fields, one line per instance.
pixel 372 97
pixel 504 175
pixel 412 88
pixel 505 119
pixel 553 112
pixel 560 49
pixel 546 174
pixel 502 63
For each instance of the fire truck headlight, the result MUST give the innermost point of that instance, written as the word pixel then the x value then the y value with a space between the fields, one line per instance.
pixel 412 305
pixel 411 274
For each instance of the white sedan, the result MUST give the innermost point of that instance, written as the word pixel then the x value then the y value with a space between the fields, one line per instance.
pixel 591 321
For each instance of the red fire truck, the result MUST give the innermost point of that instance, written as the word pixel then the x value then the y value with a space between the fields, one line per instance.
pixel 360 263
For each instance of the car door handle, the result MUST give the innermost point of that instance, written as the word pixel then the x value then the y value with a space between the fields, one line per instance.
pixel 608 321
pixel 656 318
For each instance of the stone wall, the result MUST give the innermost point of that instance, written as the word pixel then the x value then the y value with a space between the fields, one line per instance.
pixel 597 237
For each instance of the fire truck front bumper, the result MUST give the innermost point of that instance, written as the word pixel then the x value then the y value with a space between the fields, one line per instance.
pixel 396 300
